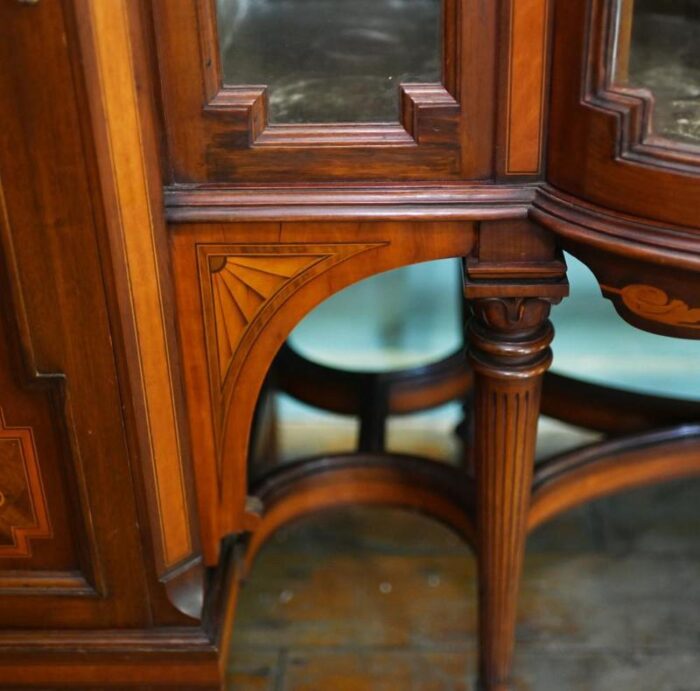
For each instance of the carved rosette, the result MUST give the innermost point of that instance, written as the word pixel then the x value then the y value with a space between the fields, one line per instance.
pixel 24 514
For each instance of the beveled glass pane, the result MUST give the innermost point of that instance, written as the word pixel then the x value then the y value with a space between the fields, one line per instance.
pixel 330 60
pixel 658 47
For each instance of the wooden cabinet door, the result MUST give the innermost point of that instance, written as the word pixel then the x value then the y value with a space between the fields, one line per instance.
pixel 218 131
pixel 625 124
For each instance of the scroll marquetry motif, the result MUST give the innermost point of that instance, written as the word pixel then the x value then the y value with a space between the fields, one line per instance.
pixel 655 304
pixel 24 515
pixel 244 285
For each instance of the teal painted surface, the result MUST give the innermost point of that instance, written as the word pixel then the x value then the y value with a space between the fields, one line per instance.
pixel 400 318
pixel 412 316
pixel 594 343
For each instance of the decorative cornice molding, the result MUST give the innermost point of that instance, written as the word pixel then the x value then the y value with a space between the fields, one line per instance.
pixel 444 201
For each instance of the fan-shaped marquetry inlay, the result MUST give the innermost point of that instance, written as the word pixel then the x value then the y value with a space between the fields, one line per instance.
pixel 23 512
pixel 241 285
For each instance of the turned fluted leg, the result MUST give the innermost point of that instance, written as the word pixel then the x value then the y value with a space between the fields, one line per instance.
pixel 509 350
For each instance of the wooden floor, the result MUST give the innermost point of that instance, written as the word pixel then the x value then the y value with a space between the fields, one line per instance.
pixel 371 599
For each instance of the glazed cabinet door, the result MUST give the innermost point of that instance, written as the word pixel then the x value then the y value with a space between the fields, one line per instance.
pixel 625 123
pixel 295 90
pixel 624 154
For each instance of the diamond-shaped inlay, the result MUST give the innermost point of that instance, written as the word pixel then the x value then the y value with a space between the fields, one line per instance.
pixel 23 512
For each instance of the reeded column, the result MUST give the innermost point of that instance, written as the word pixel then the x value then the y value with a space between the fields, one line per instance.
pixel 509 341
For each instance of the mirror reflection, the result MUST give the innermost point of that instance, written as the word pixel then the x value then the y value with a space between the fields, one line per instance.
pixel 657 47
pixel 330 60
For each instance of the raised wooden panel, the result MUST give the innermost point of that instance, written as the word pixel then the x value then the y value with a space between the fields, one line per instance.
pixel 23 512
pixel 44 541
pixel 525 85
pixel 60 348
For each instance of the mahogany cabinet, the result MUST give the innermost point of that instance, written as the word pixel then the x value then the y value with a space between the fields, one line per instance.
pixel 181 181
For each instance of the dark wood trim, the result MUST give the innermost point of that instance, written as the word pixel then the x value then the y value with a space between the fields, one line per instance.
pixel 437 490
pixel 612 232
pixel 462 201
pixel 598 470
pixel 614 411
pixel 346 392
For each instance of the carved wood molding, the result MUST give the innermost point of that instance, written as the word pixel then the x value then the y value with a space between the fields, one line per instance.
pixel 509 337
pixel 440 131
pixel 618 250
pixel 429 112
pixel 620 234
pixel 24 514
pixel 445 201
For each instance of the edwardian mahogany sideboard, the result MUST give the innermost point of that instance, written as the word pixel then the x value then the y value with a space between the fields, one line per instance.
pixel 166 221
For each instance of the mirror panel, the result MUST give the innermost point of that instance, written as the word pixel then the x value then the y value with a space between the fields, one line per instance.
pixel 330 61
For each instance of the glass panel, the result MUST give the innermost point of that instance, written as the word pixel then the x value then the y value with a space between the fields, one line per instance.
pixel 658 48
pixel 330 60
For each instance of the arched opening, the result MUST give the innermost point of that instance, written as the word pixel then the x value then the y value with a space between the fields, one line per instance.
pixel 333 482
pixel 378 366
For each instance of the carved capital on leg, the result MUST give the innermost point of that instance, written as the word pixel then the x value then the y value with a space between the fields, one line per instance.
pixel 509 350
pixel 508 337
